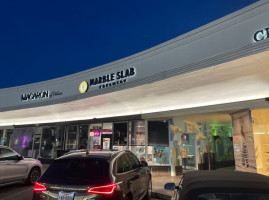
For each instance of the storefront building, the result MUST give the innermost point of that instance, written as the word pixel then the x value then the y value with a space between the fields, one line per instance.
pixel 198 101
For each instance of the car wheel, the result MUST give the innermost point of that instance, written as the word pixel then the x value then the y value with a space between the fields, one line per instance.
pixel 33 176
pixel 148 195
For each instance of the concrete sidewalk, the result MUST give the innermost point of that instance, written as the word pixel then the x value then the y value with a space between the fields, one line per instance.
pixel 158 183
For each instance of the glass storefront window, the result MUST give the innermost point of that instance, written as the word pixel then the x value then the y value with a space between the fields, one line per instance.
pixel 23 141
pixel 158 133
pixel 201 145
pixel 6 137
pixel 260 123
pixel 10 137
pixel 83 136
pixel 52 141
pixel 137 139
pixel 107 136
pixel 120 134
pixel 158 149
pixel 2 137
pixel 158 155
pixel 71 139
pixel 36 146
pixel 95 136
pixel 139 151
pixel 48 142
pixel 137 136
pixel 187 151
pixel 59 139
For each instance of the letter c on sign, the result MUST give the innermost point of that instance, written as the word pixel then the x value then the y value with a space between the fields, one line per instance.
pixel 258 36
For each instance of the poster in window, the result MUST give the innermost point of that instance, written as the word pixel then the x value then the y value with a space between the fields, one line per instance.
pixel 161 155
pixel 185 138
pixel 244 149
pixel 106 143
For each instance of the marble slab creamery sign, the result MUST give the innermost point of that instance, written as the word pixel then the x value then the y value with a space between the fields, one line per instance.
pixel 108 80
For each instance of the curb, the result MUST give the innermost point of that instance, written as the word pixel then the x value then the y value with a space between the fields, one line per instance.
pixel 160 196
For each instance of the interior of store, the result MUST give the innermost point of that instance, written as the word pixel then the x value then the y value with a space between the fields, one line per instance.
pixel 260 123
pixel 202 141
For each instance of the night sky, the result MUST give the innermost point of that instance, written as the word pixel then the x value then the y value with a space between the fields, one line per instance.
pixel 42 40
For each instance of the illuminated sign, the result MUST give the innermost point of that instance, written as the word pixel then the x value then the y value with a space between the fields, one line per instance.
pixel 110 79
pixel 97 133
pixel 83 87
pixel 39 95
pixel 261 35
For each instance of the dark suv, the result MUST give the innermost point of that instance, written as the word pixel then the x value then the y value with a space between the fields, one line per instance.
pixel 95 175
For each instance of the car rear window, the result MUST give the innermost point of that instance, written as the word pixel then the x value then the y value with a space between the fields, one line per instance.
pixel 77 172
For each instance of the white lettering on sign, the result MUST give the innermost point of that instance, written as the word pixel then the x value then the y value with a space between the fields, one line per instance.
pixel 261 35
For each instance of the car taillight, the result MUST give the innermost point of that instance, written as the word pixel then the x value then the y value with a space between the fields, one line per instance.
pixel 39 187
pixel 107 189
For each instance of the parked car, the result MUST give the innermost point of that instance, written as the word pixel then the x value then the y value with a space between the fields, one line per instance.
pixel 96 175
pixel 15 168
pixel 220 185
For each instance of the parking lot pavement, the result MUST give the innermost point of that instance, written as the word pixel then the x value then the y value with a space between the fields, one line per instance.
pixel 21 192
pixel 16 191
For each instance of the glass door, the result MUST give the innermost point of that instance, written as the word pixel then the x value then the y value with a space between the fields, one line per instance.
pixel 6 137
pixel 71 139
pixel 106 136
pixel 120 136
pixel 137 139
pixel 95 136
pixel 83 136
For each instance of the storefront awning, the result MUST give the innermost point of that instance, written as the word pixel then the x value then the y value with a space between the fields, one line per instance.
pixel 231 86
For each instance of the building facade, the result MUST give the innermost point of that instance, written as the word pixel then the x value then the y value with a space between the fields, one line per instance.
pixel 198 98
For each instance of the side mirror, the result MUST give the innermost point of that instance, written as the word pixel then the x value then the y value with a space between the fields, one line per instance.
pixel 144 163
pixel 170 186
